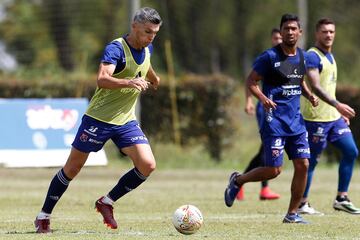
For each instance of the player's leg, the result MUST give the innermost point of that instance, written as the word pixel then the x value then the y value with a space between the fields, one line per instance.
pixel 266 193
pixel 346 144
pixel 271 169
pixel 57 187
pixel 317 135
pixel 254 163
pixel 90 129
pixel 297 148
pixel 133 143
pixel 298 183
pixel 144 164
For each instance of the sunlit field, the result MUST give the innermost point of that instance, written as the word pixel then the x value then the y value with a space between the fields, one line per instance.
pixel 146 212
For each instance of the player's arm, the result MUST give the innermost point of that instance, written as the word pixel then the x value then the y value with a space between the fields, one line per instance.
pixel 249 104
pixel 153 78
pixel 106 80
pixel 305 91
pixel 314 81
pixel 253 86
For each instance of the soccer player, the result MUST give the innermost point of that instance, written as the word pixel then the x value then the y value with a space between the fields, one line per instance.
pixel 329 122
pixel 282 69
pixel 111 115
pixel 265 193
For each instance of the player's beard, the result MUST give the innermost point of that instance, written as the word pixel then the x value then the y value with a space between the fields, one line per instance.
pixel 289 44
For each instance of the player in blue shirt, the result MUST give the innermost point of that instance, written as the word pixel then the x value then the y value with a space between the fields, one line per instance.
pixel 281 69
pixel 265 193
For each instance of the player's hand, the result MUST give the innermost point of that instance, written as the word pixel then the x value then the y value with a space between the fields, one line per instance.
pixel 268 104
pixel 250 108
pixel 347 120
pixel 138 83
pixel 155 83
pixel 345 110
pixel 314 100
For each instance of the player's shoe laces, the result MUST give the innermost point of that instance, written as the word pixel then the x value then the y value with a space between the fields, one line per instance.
pixel 106 211
pixel 232 190
pixel 42 225
pixel 344 204
pixel 267 194
pixel 294 218
pixel 305 208
pixel 240 195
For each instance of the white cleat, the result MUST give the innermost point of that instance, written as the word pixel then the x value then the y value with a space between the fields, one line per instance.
pixel 305 208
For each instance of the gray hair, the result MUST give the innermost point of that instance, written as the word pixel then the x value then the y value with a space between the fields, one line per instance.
pixel 146 14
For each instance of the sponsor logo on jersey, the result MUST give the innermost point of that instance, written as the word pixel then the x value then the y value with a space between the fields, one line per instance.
pixel 138 138
pixel 95 141
pixel 295 74
pixel 91 131
pixel 344 130
pixel 292 92
pixel 303 150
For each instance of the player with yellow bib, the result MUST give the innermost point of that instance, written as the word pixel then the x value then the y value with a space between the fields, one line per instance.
pixel 111 115
pixel 329 121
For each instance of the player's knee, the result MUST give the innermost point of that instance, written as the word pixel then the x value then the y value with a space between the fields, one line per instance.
pixel 301 165
pixel 273 172
pixel 313 162
pixel 277 171
pixel 72 171
pixel 148 166
pixel 352 153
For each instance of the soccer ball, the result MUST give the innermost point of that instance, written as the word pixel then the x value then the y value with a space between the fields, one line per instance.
pixel 187 219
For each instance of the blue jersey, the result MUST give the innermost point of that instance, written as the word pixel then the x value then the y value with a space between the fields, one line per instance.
pixel 114 54
pixel 282 76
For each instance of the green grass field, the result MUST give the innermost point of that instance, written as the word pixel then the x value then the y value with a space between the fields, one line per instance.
pixel 146 213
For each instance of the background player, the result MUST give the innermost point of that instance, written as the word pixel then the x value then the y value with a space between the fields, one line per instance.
pixel 282 69
pixel 265 193
pixel 326 123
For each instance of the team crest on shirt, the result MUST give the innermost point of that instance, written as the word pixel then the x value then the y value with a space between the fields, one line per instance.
pixel 275 152
pixel 84 137
pixel 315 139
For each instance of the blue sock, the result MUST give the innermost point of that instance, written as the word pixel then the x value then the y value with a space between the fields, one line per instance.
pixel 312 164
pixel 131 180
pixel 349 152
pixel 57 187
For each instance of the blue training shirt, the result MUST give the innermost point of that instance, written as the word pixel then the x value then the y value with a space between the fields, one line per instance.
pixel 282 76
pixel 114 54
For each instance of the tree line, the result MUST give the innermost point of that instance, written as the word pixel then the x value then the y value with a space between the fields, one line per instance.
pixel 207 36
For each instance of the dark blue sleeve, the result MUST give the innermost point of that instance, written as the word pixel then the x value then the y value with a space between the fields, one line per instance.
pixel 262 64
pixel 313 60
pixel 113 53
pixel 151 48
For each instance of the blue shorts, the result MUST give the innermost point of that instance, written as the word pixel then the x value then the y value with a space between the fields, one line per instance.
pixel 295 146
pixel 321 132
pixel 93 134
